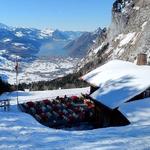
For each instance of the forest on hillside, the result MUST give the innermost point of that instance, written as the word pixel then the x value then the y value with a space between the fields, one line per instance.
pixel 66 82
pixel 4 86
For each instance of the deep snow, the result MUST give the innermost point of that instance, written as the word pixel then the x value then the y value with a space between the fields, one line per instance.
pixel 19 131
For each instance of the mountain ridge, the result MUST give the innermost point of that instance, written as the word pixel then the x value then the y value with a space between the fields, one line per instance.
pixel 26 42
pixel 81 45
pixel 127 36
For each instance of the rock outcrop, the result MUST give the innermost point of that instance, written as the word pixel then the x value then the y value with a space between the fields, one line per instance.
pixel 127 35
pixel 80 46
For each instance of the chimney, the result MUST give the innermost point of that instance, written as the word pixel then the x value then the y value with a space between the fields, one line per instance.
pixel 142 59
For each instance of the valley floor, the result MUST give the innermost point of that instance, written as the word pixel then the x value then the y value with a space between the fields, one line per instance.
pixel 20 131
pixel 37 70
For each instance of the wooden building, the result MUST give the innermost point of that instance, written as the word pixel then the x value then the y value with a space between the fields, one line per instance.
pixel 113 84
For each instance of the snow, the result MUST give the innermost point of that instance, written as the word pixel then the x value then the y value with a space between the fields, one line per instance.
pixel 4 77
pixel 19 34
pixel 127 38
pixel 118 51
pixel 24 48
pixel 119 37
pixel 3 52
pixel 39 95
pixel 118 81
pixel 18 44
pixel 22 132
pixel 143 25
pixel 38 70
pixel 94 41
pixel 46 32
pixel 98 48
pixel 13 56
pixel 122 40
pixel 137 111
pixel 6 40
pixel 136 7
pixel 135 38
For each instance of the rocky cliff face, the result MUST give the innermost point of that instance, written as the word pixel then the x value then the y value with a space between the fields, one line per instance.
pixel 31 42
pixel 132 33
pixel 128 35
pixel 80 46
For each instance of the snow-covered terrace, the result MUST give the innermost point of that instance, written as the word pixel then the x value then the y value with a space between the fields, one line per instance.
pixel 41 95
pixel 22 132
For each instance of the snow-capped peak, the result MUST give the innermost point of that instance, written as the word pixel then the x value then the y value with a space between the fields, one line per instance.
pixel 46 32
pixel 19 34
pixel 97 31
pixel 3 26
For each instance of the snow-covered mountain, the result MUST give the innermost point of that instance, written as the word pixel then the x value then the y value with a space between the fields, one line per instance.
pixel 40 53
pixel 127 35
pixel 81 45
pixel 3 26
pixel 27 42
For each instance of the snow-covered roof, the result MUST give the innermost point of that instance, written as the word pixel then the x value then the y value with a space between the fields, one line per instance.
pixel 119 81
pixel 134 111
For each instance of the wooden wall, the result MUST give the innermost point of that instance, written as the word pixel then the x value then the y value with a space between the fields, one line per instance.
pixel 106 117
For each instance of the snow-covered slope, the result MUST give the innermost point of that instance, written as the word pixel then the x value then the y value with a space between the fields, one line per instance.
pixel 22 132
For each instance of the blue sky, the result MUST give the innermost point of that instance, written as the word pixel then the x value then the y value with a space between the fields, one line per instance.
pixel 83 15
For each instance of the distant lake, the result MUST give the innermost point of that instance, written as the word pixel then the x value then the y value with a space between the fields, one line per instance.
pixel 53 48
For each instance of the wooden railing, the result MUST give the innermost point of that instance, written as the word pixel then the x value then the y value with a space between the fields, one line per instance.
pixel 5 104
